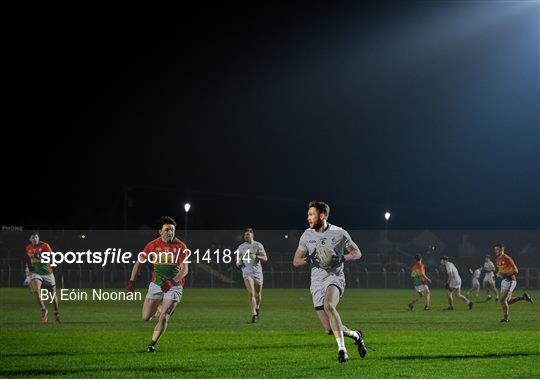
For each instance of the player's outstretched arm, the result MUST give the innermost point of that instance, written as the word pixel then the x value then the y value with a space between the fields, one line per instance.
pixel 135 271
pixel 299 258
pixel 134 274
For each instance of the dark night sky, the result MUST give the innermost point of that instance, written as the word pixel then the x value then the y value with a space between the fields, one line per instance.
pixel 429 109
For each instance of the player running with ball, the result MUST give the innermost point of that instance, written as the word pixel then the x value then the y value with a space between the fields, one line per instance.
pixel 322 245
pixel 167 254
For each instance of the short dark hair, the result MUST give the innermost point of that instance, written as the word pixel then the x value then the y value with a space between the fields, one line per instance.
pixel 418 257
pixel 321 207
pixel 445 258
pixel 166 220
pixel 498 245
pixel 249 229
pixel 36 233
pixel 487 257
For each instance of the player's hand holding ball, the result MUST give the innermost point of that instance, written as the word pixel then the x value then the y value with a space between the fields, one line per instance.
pixel 338 259
pixel 313 259
pixel 167 285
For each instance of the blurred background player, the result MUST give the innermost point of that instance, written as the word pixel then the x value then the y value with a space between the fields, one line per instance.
pixel 475 281
pixel 328 285
pixel 489 278
pixel 26 281
pixel 41 275
pixel 252 270
pixel 453 284
pixel 167 254
pixel 420 280
pixel 507 270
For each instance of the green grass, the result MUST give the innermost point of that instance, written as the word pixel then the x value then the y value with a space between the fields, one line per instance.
pixel 209 336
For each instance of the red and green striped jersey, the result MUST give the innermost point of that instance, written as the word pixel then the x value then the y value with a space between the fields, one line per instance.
pixel 167 259
pixel 34 255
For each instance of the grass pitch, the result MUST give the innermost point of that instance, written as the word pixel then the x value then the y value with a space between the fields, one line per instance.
pixel 210 336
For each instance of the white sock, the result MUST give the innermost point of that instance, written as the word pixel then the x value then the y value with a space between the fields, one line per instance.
pixel 341 344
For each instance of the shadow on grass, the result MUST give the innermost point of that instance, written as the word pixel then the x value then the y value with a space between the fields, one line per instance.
pixel 24 373
pixel 26 355
pixel 264 347
pixel 462 356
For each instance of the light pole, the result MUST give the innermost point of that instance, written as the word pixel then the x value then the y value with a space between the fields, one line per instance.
pixel 187 206
pixel 387 216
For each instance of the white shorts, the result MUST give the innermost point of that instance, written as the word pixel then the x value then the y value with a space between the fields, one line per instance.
pixel 422 288
pixel 508 285
pixel 155 293
pixel 455 284
pixel 47 280
pixel 488 281
pixel 475 282
pixel 318 289
pixel 255 275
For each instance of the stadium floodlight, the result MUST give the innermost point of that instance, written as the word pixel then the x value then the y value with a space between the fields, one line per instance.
pixel 387 215
pixel 187 206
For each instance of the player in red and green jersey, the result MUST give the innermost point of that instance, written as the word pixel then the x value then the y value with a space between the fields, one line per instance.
pixel 167 254
pixel 420 280
pixel 41 275
pixel 507 270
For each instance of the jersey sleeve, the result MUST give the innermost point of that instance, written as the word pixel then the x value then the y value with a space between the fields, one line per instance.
pixel 347 241
pixel 261 247
pixel 47 248
pixel 302 244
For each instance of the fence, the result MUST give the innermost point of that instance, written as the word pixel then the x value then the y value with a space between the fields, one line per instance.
pixel 214 276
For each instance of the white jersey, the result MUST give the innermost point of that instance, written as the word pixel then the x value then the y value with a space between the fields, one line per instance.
pixel 451 269
pixel 489 269
pixel 477 273
pixel 252 263
pixel 335 238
